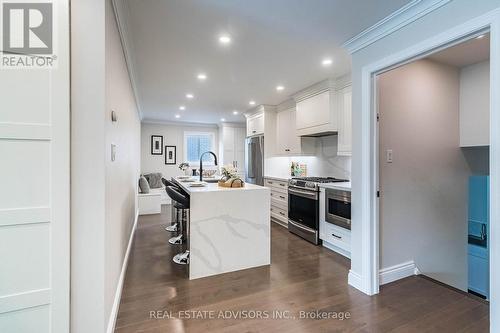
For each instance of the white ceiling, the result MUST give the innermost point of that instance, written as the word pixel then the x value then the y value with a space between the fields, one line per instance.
pixel 273 42
pixel 466 53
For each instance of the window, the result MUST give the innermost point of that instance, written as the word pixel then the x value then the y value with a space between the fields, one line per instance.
pixel 195 144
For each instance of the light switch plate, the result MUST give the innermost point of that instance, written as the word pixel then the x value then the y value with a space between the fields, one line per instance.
pixel 388 155
pixel 113 152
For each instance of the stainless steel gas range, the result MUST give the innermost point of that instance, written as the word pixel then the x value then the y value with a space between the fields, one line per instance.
pixel 303 206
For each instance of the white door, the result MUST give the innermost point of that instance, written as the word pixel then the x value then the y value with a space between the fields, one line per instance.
pixel 34 189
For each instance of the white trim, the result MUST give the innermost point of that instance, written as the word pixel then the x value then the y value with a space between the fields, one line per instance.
pixel 369 204
pixel 395 21
pixel 23 131
pixel 121 14
pixel 25 300
pixel 119 286
pixel 179 123
pixel 355 280
pixel 398 272
pixel 28 215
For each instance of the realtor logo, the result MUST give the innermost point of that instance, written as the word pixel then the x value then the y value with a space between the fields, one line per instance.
pixel 27 34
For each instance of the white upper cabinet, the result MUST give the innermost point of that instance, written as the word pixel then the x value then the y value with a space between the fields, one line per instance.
pixel 314 112
pixel 255 124
pixel 345 121
pixel 317 108
pixel 287 140
pixel 475 105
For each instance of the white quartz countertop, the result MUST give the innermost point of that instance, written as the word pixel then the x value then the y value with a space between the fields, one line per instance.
pixel 214 187
pixel 346 186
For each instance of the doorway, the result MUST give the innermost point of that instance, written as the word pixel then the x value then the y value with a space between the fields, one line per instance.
pixel 434 166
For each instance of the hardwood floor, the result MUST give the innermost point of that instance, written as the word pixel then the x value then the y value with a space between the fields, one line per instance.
pixel 302 277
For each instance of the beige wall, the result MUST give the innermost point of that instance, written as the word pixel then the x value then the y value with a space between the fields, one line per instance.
pixel 423 206
pixel 173 135
pixel 103 193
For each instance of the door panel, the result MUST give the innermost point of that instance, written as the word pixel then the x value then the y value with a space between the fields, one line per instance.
pixel 34 191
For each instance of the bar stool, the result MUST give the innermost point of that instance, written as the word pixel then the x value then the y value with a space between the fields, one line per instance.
pixel 182 207
pixel 173 212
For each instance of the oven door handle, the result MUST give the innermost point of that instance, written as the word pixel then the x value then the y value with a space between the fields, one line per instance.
pixel 295 224
pixel 304 194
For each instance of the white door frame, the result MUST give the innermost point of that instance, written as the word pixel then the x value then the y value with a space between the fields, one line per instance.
pixel 369 179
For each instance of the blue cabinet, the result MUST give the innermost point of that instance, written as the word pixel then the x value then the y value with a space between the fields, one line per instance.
pixel 478 248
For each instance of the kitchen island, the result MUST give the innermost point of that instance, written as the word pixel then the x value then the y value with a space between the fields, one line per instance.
pixel 229 228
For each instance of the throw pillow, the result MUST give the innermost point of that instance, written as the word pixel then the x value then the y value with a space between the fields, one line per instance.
pixel 154 180
pixel 143 185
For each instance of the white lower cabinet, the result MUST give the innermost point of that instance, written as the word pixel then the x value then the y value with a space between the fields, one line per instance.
pixel 279 199
pixel 335 238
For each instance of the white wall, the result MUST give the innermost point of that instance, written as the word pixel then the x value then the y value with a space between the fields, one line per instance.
pixel 475 104
pixel 122 174
pixel 88 173
pixel 324 163
pixel 103 201
pixel 173 135
pixel 423 205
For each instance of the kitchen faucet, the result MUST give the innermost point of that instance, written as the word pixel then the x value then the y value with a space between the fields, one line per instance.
pixel 201 162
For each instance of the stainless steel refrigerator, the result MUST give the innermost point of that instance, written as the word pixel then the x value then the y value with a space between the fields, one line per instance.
pixel 254 160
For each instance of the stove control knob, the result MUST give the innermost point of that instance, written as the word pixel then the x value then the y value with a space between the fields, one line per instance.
pixel 293 181
pixel 310 184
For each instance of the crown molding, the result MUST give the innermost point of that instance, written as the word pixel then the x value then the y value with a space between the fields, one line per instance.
pixel 395 21
pixel 150 121
pixel 121 10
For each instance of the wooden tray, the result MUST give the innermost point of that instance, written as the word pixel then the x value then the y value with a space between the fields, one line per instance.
pixel 235 184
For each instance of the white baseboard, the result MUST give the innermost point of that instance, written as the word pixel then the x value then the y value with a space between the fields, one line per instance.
pixel 354 280
pixel 397 272
pixel 119 286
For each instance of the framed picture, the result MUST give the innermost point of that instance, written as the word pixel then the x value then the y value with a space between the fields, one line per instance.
pixel 170 155
pixel 156 145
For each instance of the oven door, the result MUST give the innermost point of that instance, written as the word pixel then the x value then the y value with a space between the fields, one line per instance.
pixel 303 208
pixel 338 208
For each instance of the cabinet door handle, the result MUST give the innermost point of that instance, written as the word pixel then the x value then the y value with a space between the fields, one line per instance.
pixel 282 213
pixel 287 149
pixel 254 131
pixel 281 184
pixel 337 236
pixel 282 197
pixel 270 182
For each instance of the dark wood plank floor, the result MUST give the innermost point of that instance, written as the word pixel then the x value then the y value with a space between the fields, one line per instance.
pixel 302 277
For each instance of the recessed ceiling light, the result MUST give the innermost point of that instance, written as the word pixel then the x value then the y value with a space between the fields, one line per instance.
pixel 480 37
pixel 235 112
pixel 224 39
pixel 177 116
pixel 182 108
pixel 202 77
pixel 222 119
pixel 327 62
pixel 190 96
pixel 280 88
pixel 251 102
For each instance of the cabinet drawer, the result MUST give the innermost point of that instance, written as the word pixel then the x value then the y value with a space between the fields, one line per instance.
pixel 278 184
pixel 335 235
pixel 279 197
pixel 279 212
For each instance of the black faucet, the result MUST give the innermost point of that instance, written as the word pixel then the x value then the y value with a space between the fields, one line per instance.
pixel 201 162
